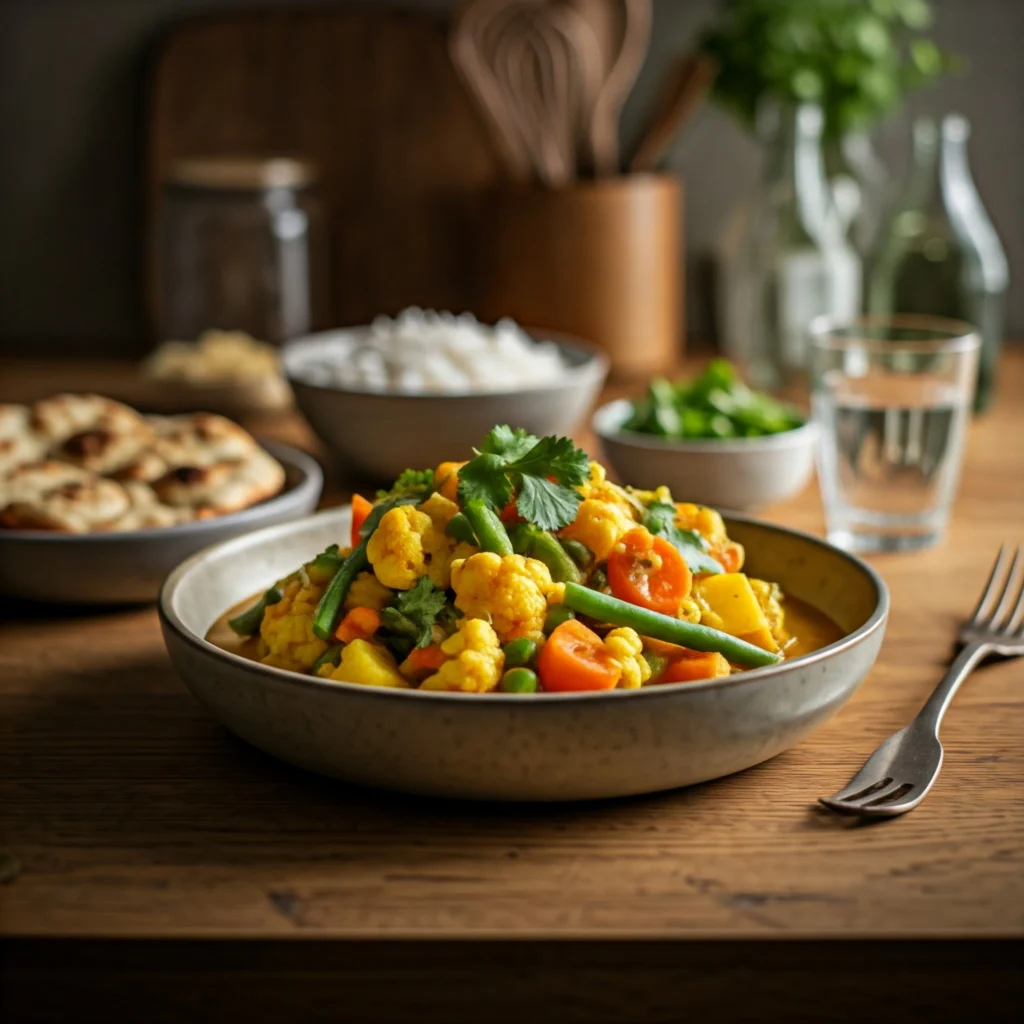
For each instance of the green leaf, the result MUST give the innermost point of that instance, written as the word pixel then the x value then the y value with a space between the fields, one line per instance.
pixel 508 443
pixel 548 505
pixel 415 611
pixel 485 477
pixel 660 519
pixel 557 457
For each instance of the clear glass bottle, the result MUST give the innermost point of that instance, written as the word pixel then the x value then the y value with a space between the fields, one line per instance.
pixel 792 261
pixel 938 252
pixel 859 182
pixel 242 246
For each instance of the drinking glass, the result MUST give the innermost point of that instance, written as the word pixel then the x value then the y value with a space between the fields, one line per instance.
pixel 892 396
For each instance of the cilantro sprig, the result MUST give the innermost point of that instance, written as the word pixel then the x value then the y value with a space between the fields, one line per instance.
pixel 414 612
pixel 542 473
pixel 660 519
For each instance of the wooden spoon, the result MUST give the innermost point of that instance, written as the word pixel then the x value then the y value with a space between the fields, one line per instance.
pixel 684 86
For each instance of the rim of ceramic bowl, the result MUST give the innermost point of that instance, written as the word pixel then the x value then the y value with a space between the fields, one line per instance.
pixel 608 419
pixel 592 369
pixel 171 621
pixel 308 486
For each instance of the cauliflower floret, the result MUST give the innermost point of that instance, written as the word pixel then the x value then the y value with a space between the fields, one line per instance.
pixel 440 509
pixel 287 639
pixel 407 545
pixel 599 525
pixel 706 521
pixel 769 597
pixel 600 488
pixel 477 660
pixel 511 592
pixel 366 591
pixel 626 648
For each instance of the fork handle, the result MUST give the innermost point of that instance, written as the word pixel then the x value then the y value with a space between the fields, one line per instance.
pixel 962 666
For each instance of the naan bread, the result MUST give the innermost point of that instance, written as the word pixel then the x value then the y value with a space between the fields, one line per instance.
pixel 224 486
pixel 19 442
pixel 79 463
pixel 75 507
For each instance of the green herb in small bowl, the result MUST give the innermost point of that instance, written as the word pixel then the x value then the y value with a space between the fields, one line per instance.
pixel 717 404
pixel 711 440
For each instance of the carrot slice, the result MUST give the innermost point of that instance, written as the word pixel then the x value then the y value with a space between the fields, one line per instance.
pixel 573 658
pixel 729 556
pixel 361 508
pixel 648 571
pixel 423 661
pixel 696 665
pixel 358 624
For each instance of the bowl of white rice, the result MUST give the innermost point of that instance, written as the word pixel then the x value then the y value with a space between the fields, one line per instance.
pixel 424 386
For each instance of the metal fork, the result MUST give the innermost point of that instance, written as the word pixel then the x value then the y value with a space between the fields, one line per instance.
pixel 900 772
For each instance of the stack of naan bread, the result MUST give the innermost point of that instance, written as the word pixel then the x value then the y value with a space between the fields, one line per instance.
pixel 82 463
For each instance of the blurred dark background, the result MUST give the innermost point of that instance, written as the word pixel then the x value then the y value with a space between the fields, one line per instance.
pixel 72 78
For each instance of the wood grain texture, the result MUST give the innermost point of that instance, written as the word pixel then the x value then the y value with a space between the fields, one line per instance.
pixel 133 814
pixel 372 99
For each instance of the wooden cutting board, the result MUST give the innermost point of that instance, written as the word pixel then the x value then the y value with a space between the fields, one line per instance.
pixel 372 98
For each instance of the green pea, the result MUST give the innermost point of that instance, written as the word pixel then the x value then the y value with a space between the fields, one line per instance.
pixel 557 614
pixel 519 680
pixel 520 653
pixel 658 664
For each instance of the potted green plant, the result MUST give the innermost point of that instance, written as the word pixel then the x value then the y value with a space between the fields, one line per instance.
pixel 856 59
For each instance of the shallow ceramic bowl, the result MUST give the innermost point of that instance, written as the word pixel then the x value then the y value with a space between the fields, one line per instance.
pixel 382 433
pixel 128 567
pixel 744 473
pixel 522 747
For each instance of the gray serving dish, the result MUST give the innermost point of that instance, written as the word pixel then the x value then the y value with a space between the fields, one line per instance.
pixel 522 747
pixel 128 567
pixel 382 433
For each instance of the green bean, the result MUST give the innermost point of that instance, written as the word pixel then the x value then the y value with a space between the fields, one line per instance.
pixel 332 656
pixel 328 609
pixel 663 627
pixel 534 542
pixel 519 680
pixel 458 528
pixel 557 614
pixel 521 653
pixel 579 553
pixel 489 529
pixel 248 623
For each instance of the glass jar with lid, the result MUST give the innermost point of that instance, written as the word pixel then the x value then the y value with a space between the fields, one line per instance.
pixel 241 246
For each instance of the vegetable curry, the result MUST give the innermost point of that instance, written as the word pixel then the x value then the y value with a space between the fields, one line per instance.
pixel 524 570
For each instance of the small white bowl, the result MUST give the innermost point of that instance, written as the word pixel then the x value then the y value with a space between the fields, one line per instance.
pixel 381 433
pixel 731 473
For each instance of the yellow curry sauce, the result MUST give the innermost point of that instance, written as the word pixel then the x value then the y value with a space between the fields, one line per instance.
pixel 808 628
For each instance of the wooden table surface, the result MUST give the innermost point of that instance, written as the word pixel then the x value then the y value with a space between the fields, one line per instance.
pixel 131 813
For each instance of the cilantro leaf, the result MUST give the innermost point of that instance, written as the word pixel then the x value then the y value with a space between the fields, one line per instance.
pixel 485 477
pixel 660 519
pixel 508 443
pixel 547 505
pixel 415 611
pixel 557 457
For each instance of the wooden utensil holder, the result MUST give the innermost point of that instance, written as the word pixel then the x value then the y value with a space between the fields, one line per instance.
pixel 601 260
